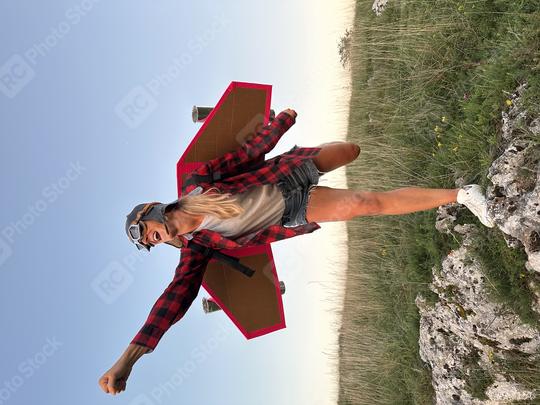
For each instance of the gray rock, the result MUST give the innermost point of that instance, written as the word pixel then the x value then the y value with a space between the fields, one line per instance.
pixel 378 6
pixel 465 331
pixel 446 216
pixel 465 322
pixel 514 196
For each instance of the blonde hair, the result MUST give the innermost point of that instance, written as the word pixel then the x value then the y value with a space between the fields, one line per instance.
pixel 218 204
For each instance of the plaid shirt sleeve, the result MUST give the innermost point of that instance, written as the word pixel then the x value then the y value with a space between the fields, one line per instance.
pixel 253 150
pixel 173 303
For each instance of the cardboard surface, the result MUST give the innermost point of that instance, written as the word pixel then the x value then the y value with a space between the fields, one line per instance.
pixel 254 303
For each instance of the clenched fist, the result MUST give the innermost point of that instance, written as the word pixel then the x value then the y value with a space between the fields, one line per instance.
pixel 291 112
pixel 114 380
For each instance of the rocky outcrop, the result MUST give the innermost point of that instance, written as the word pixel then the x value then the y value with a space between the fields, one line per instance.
pixel 464 333
pixel 514 196
pixel 378 6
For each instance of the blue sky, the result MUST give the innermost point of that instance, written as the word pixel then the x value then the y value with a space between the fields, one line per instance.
pixel 95 103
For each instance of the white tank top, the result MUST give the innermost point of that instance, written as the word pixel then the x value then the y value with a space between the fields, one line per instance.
pixel 263 206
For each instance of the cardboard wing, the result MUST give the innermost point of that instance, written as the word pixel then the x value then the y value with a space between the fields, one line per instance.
pixel 254 303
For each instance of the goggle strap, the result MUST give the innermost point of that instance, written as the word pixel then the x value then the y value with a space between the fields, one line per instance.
pixel 143 212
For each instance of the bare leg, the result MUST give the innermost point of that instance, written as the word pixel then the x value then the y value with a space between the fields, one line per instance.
pixel 335 154
pixel 330 204
pixel 412 199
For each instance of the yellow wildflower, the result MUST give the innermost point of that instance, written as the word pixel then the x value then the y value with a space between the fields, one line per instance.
pixel 439 144
pixel 443 119
pixel 437 128
pixel 508 102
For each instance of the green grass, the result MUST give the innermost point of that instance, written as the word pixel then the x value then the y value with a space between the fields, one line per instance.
pixel 506 274
pixel 476 378
pixel 522 369
pixel 430 79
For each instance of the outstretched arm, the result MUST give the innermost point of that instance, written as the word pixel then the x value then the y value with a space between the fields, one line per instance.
pixel 114 380
pixel 254 149
pixel 175 300
pixel 168 309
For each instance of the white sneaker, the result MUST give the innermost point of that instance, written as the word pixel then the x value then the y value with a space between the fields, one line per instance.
pixel 472 197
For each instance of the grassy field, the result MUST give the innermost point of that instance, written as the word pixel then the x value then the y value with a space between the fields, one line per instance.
pixel 430 79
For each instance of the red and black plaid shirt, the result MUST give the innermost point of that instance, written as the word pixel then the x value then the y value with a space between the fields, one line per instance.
pixel 244 167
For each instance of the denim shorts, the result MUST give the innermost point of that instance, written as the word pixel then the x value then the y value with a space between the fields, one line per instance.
pixel 296 188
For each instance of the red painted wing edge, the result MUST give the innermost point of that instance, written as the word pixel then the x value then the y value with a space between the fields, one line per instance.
pixel 182 168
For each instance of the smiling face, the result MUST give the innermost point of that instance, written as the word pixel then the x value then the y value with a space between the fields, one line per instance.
pixel 155 233
pixel 177 223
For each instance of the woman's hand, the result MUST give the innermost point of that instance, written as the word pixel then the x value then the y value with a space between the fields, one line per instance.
pixel 114 380
pixel 291 112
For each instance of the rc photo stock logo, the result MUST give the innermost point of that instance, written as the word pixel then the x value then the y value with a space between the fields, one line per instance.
pixel 116 277
pixel 5 251
pixel 141 101
pixel 164 391
pixel 250 130
pixel 28 368
pixel 49 195
pixel 15 74
pixel 19 70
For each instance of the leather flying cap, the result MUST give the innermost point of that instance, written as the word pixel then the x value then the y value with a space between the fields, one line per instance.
pixel 143 212
pixel 154 211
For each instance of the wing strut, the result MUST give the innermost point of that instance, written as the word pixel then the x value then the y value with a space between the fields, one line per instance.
pixel 234 262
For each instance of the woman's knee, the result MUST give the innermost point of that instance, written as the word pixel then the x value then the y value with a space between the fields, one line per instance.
pixel 354 150
pixel 350 148
pixel 329 143
pixel 350 151
pixel 336 154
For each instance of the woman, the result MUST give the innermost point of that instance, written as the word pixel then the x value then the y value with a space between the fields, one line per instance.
pixel 239 199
